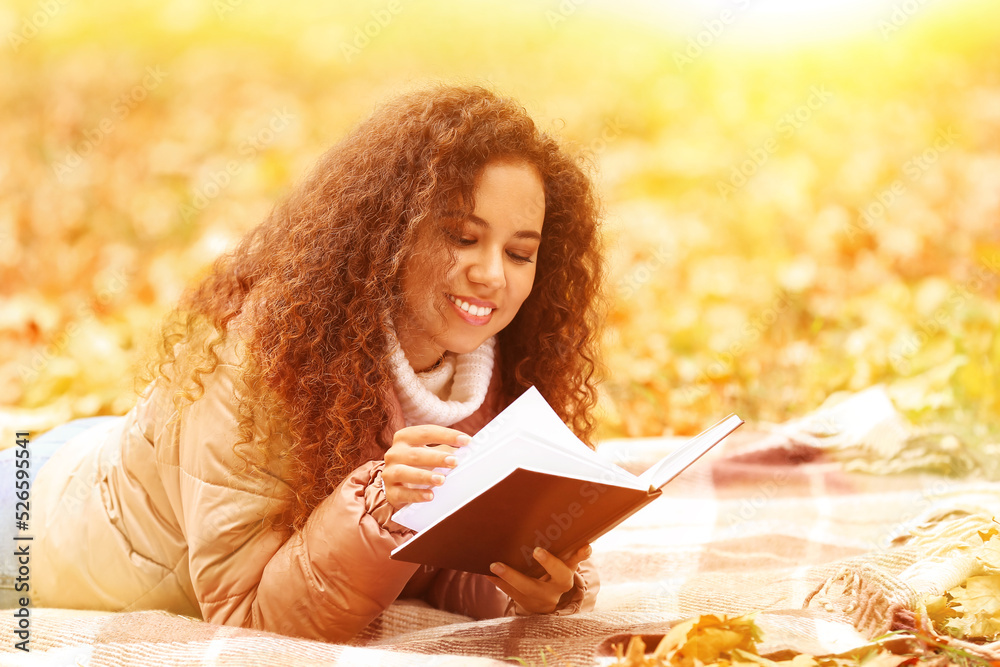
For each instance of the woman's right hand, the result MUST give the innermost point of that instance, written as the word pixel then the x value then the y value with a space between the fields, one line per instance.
pixel 409 475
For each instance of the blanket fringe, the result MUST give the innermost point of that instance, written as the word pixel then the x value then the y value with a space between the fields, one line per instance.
pixel 867 595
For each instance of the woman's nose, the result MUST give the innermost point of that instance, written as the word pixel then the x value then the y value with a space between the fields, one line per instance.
pixel 488 270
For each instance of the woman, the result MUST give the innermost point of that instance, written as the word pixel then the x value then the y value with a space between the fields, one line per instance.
pixel 439 260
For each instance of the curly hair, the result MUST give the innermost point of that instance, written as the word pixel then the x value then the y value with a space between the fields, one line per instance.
pixel 319 280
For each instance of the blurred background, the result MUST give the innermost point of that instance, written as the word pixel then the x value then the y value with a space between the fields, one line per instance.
pixel 802 198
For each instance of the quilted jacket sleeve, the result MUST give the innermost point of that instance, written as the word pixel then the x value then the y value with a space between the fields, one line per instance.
pixel 464 593
pixel 326 581
pixel 332 578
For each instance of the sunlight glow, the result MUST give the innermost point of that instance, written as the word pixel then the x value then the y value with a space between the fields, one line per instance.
pixel 776 23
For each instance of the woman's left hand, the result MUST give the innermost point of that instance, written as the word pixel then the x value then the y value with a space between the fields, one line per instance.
pixel 541 595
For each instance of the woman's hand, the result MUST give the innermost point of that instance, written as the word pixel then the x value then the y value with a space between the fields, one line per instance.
pixel 542 595
pixel 409 476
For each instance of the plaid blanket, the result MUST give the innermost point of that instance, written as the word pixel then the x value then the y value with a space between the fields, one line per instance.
pixel 778 520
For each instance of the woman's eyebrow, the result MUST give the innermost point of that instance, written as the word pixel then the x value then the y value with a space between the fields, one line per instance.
pixel 520 234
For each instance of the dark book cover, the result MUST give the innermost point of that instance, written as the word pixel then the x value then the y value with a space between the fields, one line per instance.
pixel 524 510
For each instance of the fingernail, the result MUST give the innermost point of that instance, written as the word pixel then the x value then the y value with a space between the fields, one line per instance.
pixel 540 552
pixel 496 568
pixel 428 495
pixel 586 551
pixel 451 461
pixel 463 439
pixel 437 479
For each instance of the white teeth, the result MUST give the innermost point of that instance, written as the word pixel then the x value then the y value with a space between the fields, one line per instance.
pixel 478 311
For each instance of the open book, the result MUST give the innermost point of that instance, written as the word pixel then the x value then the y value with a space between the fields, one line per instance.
pixel 527 481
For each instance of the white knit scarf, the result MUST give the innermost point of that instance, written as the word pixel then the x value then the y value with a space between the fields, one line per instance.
pixel 427 398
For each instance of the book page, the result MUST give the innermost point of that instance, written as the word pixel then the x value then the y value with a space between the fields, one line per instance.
pixel 529 435
pixel 505 454
pixel 675 463
pixel 530 413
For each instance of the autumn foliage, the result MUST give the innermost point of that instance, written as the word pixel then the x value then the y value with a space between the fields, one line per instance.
pixel 782 223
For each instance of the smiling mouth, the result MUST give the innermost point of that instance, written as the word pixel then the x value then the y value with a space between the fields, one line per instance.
pixel 475 311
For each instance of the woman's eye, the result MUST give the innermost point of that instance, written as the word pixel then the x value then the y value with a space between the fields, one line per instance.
pixel 460 239
pixel 522 259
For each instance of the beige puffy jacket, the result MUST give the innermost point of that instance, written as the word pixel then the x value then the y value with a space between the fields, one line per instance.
pixel 147 512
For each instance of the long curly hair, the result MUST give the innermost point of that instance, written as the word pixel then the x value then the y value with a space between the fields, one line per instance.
pixel 315 286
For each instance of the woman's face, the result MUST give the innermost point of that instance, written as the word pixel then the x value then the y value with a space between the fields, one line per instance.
pixel 495 251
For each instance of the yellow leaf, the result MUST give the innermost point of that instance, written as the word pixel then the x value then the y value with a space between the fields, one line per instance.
pixel 978 600
pixel 635 655
pixel 674 639
pixel 883 659
pixel 708 639
pixel 979 594
pixel 989 556
pixel 939 609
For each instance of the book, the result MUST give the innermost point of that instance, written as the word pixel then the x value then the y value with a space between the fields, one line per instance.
pixel 525 481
